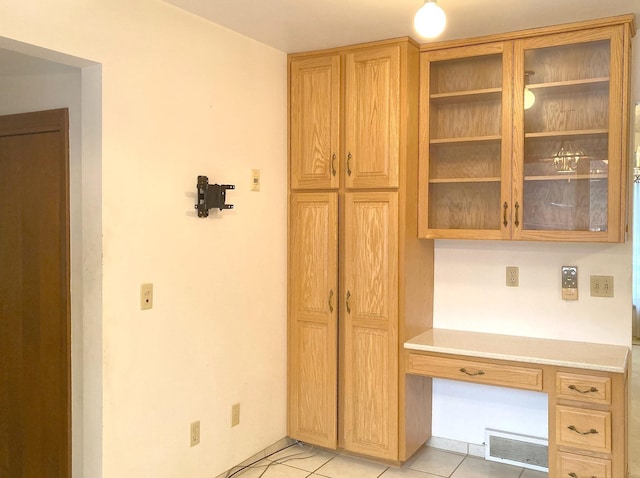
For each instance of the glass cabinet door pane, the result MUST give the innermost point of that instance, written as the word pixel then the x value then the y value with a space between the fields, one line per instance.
pixel 566 161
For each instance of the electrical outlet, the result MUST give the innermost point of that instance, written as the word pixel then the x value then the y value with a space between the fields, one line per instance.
pixel 601 286
pixel 195 433
pixel 513 277
pixel 569 283
pixel 146 296
pixel 235 414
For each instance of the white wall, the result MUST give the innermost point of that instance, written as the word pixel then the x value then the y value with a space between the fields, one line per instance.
pixel 180 97
pixel 470 294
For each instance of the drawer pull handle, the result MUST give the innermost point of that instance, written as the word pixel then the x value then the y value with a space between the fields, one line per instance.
pixel 333 164
pixel 349 164
pixel 479 372
pixel 347 302
pixel 593 431
pixel 517 221
pixel 575 475
pixel 576 389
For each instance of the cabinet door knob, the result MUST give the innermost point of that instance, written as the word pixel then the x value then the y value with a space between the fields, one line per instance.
pixel 505 206
pixel 331 300
pixel 517 221
pixel 348 306
pixel 349 164
pixel 333 164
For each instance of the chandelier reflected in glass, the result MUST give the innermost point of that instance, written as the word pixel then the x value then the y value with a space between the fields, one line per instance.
pixel 567 158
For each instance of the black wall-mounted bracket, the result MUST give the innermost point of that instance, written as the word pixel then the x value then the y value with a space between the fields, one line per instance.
pixel 211 195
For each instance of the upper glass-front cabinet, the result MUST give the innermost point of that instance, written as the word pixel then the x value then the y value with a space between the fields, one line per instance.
pixel 526 139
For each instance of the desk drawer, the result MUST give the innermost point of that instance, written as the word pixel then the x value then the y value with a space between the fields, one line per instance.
pixel 577 466
pixel 475 371
pixel 583 428
pixel 584 388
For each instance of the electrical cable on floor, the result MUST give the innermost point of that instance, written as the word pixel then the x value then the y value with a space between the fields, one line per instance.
pixel 245 467
pixel 285 459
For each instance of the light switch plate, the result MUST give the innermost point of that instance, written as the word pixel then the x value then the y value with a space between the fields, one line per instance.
pixel 601 286
pixel 255 180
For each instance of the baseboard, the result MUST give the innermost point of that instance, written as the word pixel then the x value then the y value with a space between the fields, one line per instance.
pixel 456 446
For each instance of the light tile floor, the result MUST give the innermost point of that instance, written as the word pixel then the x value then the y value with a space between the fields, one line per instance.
pixel 302 461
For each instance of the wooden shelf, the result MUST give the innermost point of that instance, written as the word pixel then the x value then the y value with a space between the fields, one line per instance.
pixel 566 177
pixel 571 85
pixel 467 139
pixel 470 95
pixel 464 180
pixel 566 134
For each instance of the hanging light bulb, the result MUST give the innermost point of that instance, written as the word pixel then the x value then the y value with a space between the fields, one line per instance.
pixel 529 97
pixel 430 20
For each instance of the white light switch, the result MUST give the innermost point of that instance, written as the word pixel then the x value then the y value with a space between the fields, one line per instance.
pixel 255 180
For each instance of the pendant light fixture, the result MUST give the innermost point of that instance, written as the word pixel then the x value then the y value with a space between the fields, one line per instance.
pixel 430 19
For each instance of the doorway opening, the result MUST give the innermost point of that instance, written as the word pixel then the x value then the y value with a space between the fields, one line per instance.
pixel 36 79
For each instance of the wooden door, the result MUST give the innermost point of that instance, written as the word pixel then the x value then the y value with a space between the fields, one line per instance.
pixel 313 316
pixel 35 411
pixel 372 117
pixel 315 122
pixel 370 315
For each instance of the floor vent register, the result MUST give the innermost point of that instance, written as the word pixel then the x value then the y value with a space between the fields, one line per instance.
pixel 519 450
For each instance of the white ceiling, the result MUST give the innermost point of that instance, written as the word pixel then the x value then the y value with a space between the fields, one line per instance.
pixel 303 25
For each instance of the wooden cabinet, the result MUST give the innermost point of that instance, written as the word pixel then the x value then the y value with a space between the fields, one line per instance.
pixel 372 117
pixel 586 385
pixel 314 122
pixel 590 424
pixel 557 170
pixel 384 272
pixel 370 312
pixel 465 140
pixel 313 315
pixel 370 155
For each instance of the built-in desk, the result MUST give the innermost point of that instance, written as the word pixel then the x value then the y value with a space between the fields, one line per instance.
pixel 586 384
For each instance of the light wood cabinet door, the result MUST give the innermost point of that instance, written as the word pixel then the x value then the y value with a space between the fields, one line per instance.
pixel 313 335
pixel 315 122
pixel 570 165
pixel 370 313
pixel 465 142
pixel 372 117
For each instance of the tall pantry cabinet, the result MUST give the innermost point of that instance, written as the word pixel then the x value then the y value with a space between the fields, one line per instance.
pixel 360 281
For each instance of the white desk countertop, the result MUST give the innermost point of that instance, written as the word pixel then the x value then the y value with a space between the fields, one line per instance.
pixel 561 353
